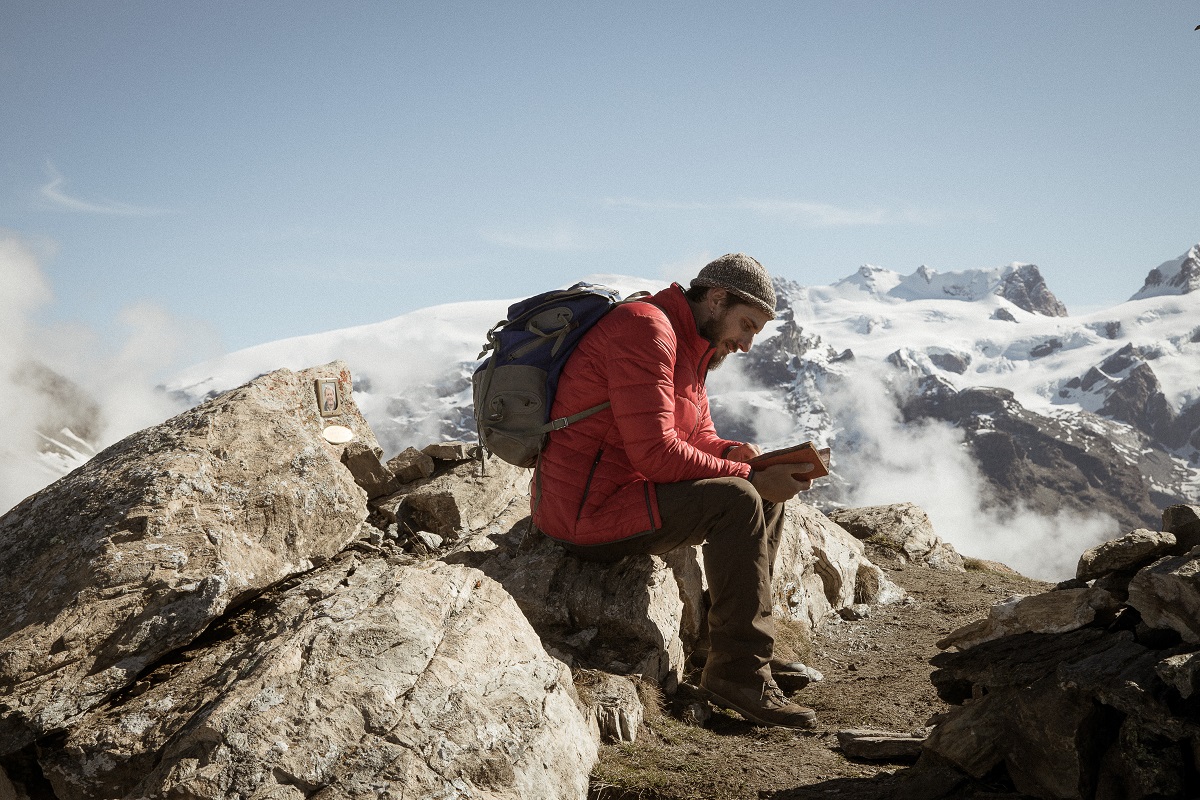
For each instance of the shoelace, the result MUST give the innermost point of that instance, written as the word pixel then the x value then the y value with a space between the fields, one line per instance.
pixel 771 691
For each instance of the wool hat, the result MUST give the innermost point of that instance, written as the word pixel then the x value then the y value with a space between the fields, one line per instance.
pixel 742 275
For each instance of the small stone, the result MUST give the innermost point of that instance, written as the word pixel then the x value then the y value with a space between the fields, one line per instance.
pixel 877 745
pixel 449 451
pixel 855 612
pixel 411 465
pixel 430 540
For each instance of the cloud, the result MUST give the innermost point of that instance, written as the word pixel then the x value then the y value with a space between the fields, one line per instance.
pixel 805 214
pixel 67 393
pixel 53 192
pixel 890 461
pixel 553 239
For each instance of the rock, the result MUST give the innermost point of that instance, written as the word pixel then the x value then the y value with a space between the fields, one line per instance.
pixel 1180 672
pixel 647 611
pixel 1138 399
pixel 1004 315
pixel 1167 595
pixel 1184 522
pixel 904 528
pixel 1049 612
pixel 877 745
pixel 411 465
pixel 821 569
pixel 1025 288
pixel 795 676
pixel 430 540
pixel 374 478
pixel 450 451
pixel 613 703
pixel 1178 276
pixel 951 362
pixel 1046 348
pixel 458 501
pixel 630 610
pixel 368 678
pixel 134 554
pixel 855 612
pixel 7 790
pixel 1130 552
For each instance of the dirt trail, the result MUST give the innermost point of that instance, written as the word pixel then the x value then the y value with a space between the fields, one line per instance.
pixel 876 675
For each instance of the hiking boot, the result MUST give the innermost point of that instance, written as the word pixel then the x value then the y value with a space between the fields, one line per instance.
pixel 759 701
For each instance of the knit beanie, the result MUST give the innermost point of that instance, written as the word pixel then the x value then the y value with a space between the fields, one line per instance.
pixel 742 275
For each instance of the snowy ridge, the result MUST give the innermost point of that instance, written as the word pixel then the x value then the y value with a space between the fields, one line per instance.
pixel 1177 276
pixel 849 365
pixel 923 284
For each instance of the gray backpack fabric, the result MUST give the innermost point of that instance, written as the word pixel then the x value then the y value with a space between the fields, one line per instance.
pixel 514 388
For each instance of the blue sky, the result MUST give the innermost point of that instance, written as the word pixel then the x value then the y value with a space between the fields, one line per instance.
pixel 264 170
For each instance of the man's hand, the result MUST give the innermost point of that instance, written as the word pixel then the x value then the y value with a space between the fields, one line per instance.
pixel 781 482
pixel 743 452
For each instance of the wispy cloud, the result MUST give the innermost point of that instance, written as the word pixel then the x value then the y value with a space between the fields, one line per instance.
pixel 810 215
pixel 552 239
pixel 53 192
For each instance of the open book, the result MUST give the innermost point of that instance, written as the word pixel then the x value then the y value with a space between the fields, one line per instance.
pixel 806 453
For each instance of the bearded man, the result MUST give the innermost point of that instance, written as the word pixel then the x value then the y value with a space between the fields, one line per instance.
pixel 650 473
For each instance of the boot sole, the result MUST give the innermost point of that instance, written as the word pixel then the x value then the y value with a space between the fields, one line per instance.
pixel 807 722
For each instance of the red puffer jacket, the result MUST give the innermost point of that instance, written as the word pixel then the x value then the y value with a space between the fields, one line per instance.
pixel 595 482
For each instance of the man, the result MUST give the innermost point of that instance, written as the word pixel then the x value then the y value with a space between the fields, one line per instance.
pixel 649 473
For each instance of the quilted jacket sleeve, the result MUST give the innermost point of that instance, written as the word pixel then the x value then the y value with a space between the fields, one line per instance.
pixel 641 383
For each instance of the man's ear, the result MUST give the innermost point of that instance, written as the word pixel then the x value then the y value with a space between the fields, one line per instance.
pixel 718 296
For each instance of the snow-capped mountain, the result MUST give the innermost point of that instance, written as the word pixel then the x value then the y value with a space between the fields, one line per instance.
pixel 1025 432
pixel 1177 276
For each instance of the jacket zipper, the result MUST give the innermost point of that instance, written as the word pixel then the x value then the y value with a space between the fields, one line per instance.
pixel 649 505
pixel 587 486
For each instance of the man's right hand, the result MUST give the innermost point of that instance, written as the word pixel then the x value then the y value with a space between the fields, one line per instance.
pixel 779 483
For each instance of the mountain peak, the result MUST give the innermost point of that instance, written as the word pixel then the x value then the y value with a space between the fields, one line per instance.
pixel 1177 276
pixel 1020 284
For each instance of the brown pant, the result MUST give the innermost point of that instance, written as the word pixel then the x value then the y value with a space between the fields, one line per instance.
pixel 740 533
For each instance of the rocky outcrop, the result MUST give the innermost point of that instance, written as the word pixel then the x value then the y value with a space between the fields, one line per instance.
pixel 1067 706
pixel 1025 288
pixel 643 614
pixel 1046 463
pixel 368 675
pixel 902 528
pixel 134 554
pixel 1179 276
pixel 205 611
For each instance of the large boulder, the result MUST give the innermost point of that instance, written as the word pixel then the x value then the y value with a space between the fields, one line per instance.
pixel 644 614
pixel 1082 692
pixel 1129 552
pixel 371 677
pixel 1167 594
pixel 904 529
pixel 134 554
pixel 821 570
pixel 623 617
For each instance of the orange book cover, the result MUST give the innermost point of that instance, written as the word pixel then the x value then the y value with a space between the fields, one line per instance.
pixel 806 453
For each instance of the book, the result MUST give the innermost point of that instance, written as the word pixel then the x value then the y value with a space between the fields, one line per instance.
pixel 806 453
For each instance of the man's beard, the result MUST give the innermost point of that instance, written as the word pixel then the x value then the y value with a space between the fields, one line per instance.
pixel 711 330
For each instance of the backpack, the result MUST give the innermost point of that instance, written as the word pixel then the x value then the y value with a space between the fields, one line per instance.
pixel 514 389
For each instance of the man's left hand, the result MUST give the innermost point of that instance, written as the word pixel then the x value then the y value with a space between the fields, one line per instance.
pixel 744 452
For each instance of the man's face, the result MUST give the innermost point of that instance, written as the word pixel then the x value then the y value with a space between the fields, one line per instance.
pixel 730 328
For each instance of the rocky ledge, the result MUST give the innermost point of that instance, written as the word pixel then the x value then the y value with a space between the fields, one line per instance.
pixel 245 602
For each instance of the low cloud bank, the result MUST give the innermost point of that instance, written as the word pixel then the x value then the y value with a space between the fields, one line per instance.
pixel 70 391
pixel 928 463
pixel 885 460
